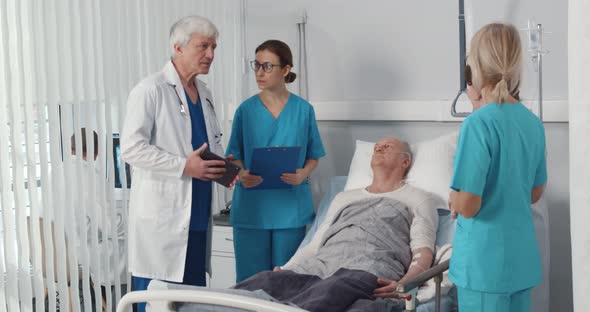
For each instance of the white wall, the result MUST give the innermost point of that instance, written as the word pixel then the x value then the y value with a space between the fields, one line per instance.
pixel 579 47
pixel 386 53
pixel 350 52
pixel 553 16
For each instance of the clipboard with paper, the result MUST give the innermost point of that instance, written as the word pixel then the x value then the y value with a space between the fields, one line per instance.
pixel 271 162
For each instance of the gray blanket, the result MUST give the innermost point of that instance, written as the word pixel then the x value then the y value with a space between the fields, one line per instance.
pixel 369 238
pixel 371 235
pixel 345 290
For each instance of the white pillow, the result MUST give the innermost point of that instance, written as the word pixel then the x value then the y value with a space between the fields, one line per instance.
pixel 360 173
pixel 432 168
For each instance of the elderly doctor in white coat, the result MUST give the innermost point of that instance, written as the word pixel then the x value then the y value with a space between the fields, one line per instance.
pixel 170 119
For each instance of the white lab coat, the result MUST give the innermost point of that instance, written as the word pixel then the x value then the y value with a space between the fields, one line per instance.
pixel 156 141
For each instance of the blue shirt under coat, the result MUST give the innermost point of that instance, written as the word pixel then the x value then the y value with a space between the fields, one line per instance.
pixel 500 156
pixel 201 201
pixel 254 126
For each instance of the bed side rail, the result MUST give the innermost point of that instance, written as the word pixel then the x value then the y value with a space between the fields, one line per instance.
pixel 204 297
pixel 409 289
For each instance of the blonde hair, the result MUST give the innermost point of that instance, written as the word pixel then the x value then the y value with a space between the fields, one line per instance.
pixel 496 60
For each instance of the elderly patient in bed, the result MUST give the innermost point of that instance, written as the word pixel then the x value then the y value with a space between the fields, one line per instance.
pixel 371 240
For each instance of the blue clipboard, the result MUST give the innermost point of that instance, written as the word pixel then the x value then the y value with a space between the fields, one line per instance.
pixel 271 162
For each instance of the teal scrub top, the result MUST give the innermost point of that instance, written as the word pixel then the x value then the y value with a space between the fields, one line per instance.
pixel 500 156
pixel 253 127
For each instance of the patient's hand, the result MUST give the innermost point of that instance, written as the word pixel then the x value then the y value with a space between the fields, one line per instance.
pixel 387 289
pixel 249 180
pixel 276 269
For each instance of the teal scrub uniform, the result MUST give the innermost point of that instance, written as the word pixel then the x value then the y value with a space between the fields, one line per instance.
pixel 270 210
pixel 476 301
pixel 500 157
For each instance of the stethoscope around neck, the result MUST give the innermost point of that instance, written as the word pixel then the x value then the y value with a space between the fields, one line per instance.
pixel 183 110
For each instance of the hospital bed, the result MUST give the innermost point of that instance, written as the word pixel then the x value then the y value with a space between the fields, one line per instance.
pixel 444 298
pixel 164 296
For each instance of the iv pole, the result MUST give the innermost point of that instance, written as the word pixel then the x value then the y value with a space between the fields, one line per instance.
pixel 535 33
pixel 303 73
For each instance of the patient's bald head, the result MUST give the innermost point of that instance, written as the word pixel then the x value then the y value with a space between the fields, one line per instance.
pixel 392 155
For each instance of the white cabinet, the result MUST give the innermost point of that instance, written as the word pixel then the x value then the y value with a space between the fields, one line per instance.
pixel 223 261
pixel 224 271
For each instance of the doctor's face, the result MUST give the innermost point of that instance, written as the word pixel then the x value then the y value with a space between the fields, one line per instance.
pixel 270 74
pixel 197 55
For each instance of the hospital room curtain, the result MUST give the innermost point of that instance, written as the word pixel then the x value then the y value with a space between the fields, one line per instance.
pixel 67 65
pixel 579 128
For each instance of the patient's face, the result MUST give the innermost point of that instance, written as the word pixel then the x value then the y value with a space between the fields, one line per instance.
pixel 388 153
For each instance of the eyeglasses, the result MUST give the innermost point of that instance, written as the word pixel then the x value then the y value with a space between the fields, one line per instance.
pixel 468 79
pixel 266 67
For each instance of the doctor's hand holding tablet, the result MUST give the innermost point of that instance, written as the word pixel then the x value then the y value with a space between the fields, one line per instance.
pixel 205 165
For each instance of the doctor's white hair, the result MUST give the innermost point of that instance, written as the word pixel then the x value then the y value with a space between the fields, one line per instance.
pixel 182 31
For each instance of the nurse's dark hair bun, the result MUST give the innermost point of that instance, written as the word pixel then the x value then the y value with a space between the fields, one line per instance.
pixel 291 76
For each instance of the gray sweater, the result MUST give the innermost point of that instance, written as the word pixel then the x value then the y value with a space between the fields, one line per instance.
pixel 371 235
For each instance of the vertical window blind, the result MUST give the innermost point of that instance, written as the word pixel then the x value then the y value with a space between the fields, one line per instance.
pixel 67 65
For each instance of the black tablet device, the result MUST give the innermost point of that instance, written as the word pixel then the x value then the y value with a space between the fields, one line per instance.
pixel 231 169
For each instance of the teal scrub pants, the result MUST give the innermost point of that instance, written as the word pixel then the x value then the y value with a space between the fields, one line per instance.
pixel 262 250
pixel 476 301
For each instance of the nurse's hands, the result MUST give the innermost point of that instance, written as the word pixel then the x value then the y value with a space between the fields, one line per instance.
pixel 294 178
pixel 452 196
pixel 230 158
pixel 205 170
pixel 388 289
pixel 249 180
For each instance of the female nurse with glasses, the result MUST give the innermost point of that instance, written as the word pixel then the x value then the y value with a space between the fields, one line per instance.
pixel 269 224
